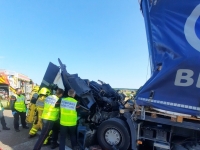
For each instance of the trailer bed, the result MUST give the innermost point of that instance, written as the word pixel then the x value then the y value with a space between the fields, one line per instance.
pixel 168 119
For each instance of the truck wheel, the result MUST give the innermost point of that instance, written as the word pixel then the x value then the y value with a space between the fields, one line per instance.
pixel 113 132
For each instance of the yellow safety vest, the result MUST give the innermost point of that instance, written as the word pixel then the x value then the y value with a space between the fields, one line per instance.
pixel 68 114
pixel 0 105
pixel 1 112
pixel 20 103
pixel 50 112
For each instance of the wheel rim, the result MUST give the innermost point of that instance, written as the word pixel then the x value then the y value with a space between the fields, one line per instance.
pixel 112 136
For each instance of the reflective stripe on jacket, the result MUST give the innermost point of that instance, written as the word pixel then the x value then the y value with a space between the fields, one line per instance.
pixel 39 103
pixel 20 103
pixel 50 112
pixel 68 114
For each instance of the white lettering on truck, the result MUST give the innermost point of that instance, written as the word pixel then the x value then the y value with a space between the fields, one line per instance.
pixel 189 28
pixel 183 77
pixel 198 82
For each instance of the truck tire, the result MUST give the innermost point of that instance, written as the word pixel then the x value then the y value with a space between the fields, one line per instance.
pixel 113 132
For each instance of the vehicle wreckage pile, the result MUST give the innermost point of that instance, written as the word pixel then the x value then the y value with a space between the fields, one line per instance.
pixel 104 99
pixel 98 102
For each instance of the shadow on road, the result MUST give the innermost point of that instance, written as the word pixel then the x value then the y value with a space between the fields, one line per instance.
pixel 12 140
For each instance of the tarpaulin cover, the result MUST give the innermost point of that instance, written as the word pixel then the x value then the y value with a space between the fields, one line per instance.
pixel 173 34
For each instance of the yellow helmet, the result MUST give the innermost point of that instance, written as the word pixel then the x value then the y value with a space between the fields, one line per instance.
pixel 44 91
pixel 35 89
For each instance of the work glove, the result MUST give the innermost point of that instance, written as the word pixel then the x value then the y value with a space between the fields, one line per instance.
pixel 14 112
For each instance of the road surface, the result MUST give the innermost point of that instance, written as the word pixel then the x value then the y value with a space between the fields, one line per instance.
pixel 12 140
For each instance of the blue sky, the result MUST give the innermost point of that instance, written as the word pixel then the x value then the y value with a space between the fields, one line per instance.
pixel 98 39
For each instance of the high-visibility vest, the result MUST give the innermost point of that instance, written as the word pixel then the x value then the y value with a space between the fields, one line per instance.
pixel 1 111
pixel 50 112
pixel 20 103
pixel 68 114
pixel 0 105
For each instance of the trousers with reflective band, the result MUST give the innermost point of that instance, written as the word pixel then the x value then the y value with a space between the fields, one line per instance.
pixel 37 123
pixel 50 112
pixel 20 103
pixel 68 114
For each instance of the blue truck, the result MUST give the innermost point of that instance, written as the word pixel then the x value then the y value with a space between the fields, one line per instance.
pixel 165 113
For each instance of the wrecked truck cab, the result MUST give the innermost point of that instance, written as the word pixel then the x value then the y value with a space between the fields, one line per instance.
pixel 98 102
pixel 88 93
pixel 59 75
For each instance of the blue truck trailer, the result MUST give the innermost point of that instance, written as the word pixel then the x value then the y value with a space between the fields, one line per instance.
pixel 166 110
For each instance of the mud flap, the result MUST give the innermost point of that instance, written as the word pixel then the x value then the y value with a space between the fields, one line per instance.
pixel 133 130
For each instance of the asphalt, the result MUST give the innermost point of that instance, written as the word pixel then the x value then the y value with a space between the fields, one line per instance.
pixel 12 140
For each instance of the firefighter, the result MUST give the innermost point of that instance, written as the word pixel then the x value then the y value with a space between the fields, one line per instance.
pixel 32 107
pixel 43 93
pixel 18 107
pixel 49 116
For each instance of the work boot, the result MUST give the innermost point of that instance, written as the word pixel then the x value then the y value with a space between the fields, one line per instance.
pixel 26 127
pixel 31 136
pixel 48 143
pixel 54 145
pixel 6 128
